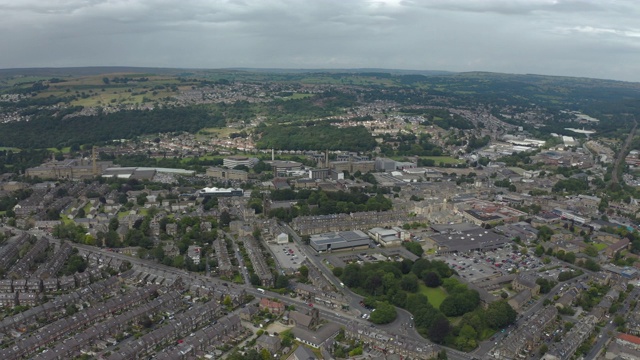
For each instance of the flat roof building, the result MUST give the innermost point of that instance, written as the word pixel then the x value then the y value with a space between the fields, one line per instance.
pixel 343 240
pixel 237 160
pixel 465 238
pixel 227 174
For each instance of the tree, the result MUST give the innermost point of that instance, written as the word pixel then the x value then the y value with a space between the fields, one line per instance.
pixel 442 355
pixel 500 314
pixel 591 265
pixel 570 257
pixel 304 272
pixel 337 271
pixel 414 247
pixel 227 301
pixel 225 218
pixel 431 279
pixel 439 329
pixel 544 233
pixel 384 313
pixel 545 285
pixel 543 349
pixel 53 214
pixel 255 279
pixel 114 223
pixel 282 282
pixel 409 283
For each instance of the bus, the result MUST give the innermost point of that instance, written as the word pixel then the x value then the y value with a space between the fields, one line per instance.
pixel 261 290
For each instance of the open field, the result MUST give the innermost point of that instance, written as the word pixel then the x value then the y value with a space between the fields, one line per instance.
pixel 64 150
pixel 600 246
pixel 436 295
pixel 217 132
pixel 297 96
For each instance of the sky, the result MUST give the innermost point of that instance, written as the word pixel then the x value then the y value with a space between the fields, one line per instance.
pixel 586 38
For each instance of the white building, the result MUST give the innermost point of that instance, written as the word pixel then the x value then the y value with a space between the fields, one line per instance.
pixel 233 161
pixel 282 238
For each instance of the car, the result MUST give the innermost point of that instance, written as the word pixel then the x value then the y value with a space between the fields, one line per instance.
pixel 310 304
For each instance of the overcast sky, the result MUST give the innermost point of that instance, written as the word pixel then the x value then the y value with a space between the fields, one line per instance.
pixel 598 38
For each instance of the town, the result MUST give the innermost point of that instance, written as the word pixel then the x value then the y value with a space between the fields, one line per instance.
pixel 384 230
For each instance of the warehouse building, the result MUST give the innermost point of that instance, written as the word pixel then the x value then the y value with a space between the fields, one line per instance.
pixel 343 240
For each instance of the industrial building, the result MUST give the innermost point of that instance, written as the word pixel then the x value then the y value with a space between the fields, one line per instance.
pixel 142 172
pixel 459 238
pixel 236 160
pixel 343 240
pixel 227 174
pixel 68 169
pixel 219 192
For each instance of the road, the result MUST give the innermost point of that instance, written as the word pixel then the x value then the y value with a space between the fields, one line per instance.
pixel 398 327
pixel 241 265
pixel 487 346
pixel 622 154
pixel 604 337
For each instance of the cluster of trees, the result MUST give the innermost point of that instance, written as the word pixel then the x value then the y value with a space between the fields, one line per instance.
pixel 505 183
pixel 568 275
pixel 7 202
pixel 590 298
pixel 403 144
pixel 460 301
pixel 517 158
pixel 476 143
pixel 317 106
pixel 50 129
pixel 572 186
pixel 385 284
pixel 18 162
pixel 75 233
pixel 319 202
pixel 192 163
pixel 545 285
pixel 414 247
pixel 75 263
pixel 318 137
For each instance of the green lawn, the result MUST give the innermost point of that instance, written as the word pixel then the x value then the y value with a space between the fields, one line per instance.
pixel 436 295
pixel 487 333
pixel 600 246
pixel 443 159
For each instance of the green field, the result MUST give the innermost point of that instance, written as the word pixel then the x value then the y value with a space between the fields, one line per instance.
pixel 297 96
pixel 436 295
pixel 443 159
pixel 600 246
pixel 2 148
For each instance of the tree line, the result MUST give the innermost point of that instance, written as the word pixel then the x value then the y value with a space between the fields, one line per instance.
pixel 317 137
pixel 50 129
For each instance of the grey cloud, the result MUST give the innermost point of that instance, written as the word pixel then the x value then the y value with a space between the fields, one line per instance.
pixel 511 7
pixel 562 37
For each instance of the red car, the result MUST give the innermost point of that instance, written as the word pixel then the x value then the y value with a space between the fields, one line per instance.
pixel 310 304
